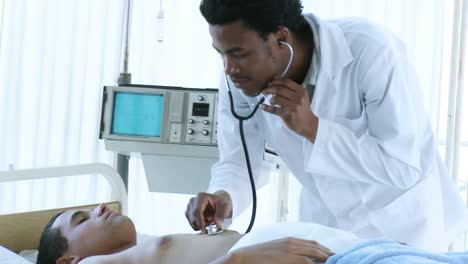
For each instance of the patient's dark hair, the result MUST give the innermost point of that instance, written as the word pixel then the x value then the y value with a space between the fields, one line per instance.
pixel 262 16
pixel 52 245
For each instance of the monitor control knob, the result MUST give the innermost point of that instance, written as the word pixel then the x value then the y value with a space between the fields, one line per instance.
pixel 190 131
pixel 191 121
pixel 206 122
pixel 205 132
pixel 201 98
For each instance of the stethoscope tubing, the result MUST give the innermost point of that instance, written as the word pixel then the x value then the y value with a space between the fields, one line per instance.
pixel 241 129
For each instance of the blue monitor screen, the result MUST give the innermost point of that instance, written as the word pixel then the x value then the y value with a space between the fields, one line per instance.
pixel 137 114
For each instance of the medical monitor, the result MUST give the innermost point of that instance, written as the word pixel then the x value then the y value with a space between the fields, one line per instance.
pixel 162 114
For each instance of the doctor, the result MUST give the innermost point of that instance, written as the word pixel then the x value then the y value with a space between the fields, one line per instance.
pixel 347 119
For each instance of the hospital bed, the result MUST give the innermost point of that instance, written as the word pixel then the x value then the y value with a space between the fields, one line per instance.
pixel 20 232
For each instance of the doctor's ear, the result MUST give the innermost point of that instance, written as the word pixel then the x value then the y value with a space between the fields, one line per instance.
pixel 282 35
pixel 68 260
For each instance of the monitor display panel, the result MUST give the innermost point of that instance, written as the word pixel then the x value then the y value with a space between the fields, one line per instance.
pixel 137 114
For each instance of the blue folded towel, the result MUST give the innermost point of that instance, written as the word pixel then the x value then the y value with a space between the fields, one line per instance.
pixel 381 251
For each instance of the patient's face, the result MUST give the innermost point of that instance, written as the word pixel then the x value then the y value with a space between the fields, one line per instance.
pixel 95 232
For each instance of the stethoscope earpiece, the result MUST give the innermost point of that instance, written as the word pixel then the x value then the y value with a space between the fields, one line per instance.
pixel 291 56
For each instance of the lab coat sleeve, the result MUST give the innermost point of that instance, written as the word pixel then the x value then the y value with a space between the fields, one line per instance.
pixel 390 152
pixel 230 172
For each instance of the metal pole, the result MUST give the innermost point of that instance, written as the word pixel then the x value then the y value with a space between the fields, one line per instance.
pixel 122 168
pixel 457 17
pixel 460 87
pixel 456 91
pixel 125 78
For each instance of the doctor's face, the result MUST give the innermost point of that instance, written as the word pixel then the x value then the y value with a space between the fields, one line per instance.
pixel 95 232
pixel 249 60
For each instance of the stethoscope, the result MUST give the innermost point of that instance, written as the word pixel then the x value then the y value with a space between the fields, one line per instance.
pixel 241 128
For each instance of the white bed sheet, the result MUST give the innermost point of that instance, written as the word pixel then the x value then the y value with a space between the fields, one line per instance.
pixel 9 257
pixel 334 239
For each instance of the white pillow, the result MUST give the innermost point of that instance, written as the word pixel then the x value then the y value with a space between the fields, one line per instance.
pixel 30 255
pixel 9 257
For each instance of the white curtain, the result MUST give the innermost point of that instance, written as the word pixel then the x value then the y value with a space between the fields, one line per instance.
pixel 55 57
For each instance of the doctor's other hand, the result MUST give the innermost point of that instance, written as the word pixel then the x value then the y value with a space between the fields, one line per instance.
pixel 206 208
pixel 284 251
pixel 291 102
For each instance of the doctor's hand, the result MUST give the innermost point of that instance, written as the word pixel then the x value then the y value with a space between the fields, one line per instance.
pixel 206 208
pixel 291 102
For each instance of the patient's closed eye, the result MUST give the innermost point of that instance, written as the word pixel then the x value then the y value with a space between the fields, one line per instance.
pixel 82 220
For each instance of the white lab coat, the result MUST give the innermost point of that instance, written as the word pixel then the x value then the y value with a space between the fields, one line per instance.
pixel 374 168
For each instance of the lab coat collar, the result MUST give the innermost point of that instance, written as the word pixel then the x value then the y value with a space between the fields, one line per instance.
pixel 334 50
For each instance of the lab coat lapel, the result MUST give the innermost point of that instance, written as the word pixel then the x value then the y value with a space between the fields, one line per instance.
pixel 334 56
pixel 334 50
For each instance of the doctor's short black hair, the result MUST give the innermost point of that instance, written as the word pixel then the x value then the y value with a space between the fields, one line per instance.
pixel 263 16
pixel 52 244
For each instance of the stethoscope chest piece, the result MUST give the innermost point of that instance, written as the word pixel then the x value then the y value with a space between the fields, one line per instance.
pixel 213 229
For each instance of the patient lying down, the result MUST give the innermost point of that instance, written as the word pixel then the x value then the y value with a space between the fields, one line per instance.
pixel 103 236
